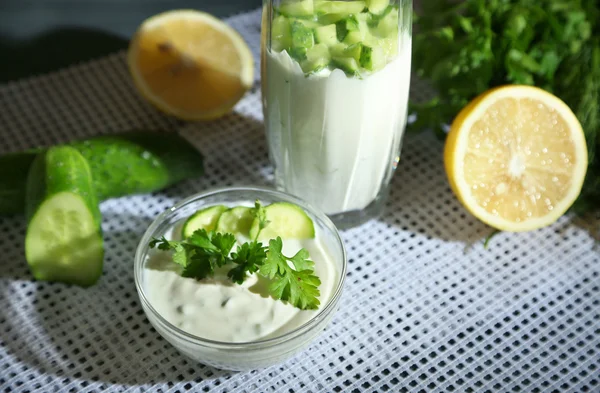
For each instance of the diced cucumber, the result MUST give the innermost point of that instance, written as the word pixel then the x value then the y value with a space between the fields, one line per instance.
pixel 299 54
pixel 339 7
pixel 281 34
pixel 372 59
pixel 326 35
pixel 286 220
pixel 206 218
pixel 123 164
pixel 346 64
pixel 311 24
pixel 64 238
pixel 345 27
pixel 353 37
pixel 377 6
pixel 338 49
pixel 236 220
pixel 387 25
pixel 327 19
pixel 354 51
pixel 297 8
pixel 302 36
pixel 317 58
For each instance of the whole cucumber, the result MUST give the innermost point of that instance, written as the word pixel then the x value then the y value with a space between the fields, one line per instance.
pixel 64 236
pixel 124 164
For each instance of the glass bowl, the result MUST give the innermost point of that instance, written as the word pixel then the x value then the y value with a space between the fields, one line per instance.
pixel 245 355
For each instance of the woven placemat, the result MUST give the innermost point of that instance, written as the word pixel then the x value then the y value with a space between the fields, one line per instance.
pixel 426 307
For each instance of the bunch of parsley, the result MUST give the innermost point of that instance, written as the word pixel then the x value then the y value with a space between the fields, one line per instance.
pixel 463 48
pixel 292 278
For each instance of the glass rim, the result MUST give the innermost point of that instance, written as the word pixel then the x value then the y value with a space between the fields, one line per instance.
pixel 327 309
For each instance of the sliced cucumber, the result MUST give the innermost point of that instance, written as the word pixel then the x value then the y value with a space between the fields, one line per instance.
pixel 317 58
pixel 236 220
pixel 345 27
pixel 366 58
pixel 64 238
pixel 346 64
pixel 311 24
pixel 281 34
pixel 338 50
pixel 286 220
pixel 297 8
pixel 377 6
pixel 327 19
pixel 326 35
pixel 203 219
pixel 302 36
pixel 339 7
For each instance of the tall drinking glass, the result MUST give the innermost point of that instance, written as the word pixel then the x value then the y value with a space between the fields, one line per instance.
pixel 335 81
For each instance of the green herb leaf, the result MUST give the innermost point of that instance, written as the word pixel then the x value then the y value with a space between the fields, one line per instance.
pixel 249 257
pixel 298 287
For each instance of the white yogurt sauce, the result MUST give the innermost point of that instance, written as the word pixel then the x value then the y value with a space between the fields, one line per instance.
pixel 218 309
pixel 335 140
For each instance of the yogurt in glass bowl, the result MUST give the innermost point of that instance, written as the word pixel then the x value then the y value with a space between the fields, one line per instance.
pixel 224 324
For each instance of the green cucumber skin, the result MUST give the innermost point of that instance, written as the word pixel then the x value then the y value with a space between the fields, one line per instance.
pixel 124 164
pixel 63 170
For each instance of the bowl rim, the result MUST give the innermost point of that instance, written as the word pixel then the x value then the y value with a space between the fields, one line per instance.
pixel 324 312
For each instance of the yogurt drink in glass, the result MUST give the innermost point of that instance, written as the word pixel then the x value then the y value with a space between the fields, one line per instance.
pixel 335 82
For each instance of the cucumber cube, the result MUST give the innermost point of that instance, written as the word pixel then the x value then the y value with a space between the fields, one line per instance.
pixel 377 6
pixel 327 19
pixel 326 35
pixel 297 8
pixel 317 58
pixel 354 51
pixel 346 64
pixel 388 25
pixel 309 23
pixel 372 59
pixel 339 7
pixel 281 34
pixel 353 37
pixel 298 54
pixel 338 49
pixel 345 26
pixel 302 36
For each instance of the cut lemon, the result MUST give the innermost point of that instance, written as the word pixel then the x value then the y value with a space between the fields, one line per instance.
pixel 190 64
pixel 516 158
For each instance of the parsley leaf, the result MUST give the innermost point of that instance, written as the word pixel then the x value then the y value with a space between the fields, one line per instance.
pixel 297 285
pixel 249 257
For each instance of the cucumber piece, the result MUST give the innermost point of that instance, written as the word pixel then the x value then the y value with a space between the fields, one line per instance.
pixel 346 64
pixel 377 6
pixel 354 51
pixel 124 164
pixel 338 50
pixel 328 19
pixel 281 34
pixel 345 27
pixel 297 8
pixel 302 36
pixel 64 238
pixel 339 7
pixel 206 218
pixel 236 220
pixel 326 35
pixel 317 58
pixel 311 24
pixel 286 220
pixel 388 24
pixel 353 37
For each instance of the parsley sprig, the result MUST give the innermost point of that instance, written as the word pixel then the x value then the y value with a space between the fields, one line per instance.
pixel 292 278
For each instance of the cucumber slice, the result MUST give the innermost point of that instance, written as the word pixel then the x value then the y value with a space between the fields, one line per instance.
pixel 236 220
pixel 326 35
pixel 297 8
pixel 339 7
pixel 64 238
pixel 377 6
pixel 317 58
pixel 286 220
pixel 203 219
pixel 281 34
